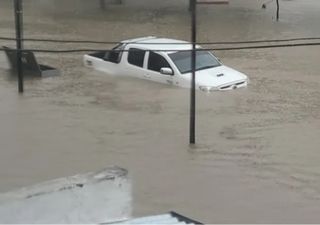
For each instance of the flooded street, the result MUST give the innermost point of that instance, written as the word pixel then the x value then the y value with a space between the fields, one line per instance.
pixel 257 154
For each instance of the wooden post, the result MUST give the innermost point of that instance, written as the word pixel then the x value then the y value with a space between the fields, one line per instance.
pixel 192 138
pixel 19 33
pixel 102 4
pixel 278 10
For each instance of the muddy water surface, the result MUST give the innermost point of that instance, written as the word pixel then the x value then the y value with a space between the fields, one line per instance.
pixel 257 157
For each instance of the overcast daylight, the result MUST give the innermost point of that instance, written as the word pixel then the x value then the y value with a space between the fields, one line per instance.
pixel 159 112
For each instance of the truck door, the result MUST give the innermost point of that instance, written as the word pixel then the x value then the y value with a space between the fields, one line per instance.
pixel 154 65
pixel 135 63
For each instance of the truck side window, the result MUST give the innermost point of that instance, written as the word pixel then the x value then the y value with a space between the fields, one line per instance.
pixel 156 62
pixel 114 55
pixel 136 56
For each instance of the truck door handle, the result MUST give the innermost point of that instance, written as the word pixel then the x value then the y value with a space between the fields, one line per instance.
pixel 147 75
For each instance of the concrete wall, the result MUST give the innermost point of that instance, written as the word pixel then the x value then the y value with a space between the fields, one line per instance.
pixel 99 197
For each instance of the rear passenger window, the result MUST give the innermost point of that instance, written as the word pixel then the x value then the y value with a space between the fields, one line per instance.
pixel 136 56
pixel 156 62
pixel 115 54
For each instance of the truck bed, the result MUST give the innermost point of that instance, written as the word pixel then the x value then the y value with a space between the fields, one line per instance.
pixel 110 56
pixel 99 54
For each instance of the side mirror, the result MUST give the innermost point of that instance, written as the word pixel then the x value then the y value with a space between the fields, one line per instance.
pixel 166 71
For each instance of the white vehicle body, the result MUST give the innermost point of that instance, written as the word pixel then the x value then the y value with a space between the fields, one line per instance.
pixel 166 61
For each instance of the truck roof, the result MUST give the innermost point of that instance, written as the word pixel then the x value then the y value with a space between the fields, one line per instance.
pixel 161 44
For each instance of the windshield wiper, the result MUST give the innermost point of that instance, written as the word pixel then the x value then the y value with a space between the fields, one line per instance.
pixel 201 68
pixel 187 71
pixel 207 67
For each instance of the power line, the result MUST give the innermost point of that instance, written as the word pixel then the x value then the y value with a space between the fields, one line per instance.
pixel 179 43
pixel 266 46
pixel 170 50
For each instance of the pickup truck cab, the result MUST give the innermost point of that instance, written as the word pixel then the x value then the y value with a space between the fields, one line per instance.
pixel 166 61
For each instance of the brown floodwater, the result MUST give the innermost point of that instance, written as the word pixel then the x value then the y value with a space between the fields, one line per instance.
pixel 257 154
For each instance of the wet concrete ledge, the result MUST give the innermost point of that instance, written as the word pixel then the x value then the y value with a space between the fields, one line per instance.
pixel 95 197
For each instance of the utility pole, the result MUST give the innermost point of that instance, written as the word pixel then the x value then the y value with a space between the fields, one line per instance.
pixel 19 33
pixel 102 4
pixel 193 6
pixel 278 10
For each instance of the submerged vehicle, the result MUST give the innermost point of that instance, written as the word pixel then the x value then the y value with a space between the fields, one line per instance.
pixel 166 61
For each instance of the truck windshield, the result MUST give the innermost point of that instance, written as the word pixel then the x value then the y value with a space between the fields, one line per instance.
pixel 204 60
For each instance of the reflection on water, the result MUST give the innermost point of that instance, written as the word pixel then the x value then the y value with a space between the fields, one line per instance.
pixel 256 159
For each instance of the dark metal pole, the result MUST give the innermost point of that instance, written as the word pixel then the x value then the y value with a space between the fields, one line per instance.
pixel 278 10
pixel 193 66
pixel 19 33
pixel 102 4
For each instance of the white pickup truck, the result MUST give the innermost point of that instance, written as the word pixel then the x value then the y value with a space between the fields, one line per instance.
pixel 166 61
